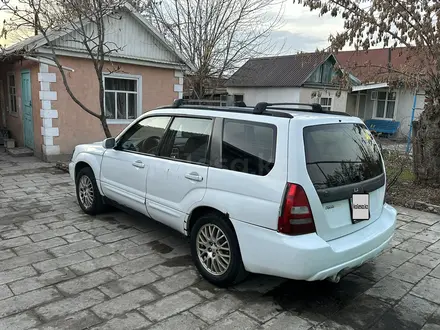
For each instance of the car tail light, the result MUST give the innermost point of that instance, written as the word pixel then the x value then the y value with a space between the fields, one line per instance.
pixel 296 215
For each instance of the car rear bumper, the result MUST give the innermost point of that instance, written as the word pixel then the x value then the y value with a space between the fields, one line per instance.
pixel 309 257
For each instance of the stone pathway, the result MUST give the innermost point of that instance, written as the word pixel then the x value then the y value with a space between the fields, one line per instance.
pixel 61 269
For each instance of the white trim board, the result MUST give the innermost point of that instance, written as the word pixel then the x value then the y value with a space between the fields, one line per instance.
pixel 48 62
pixel 367 87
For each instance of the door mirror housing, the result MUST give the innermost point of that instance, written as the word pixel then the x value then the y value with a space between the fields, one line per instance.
pixel 109 143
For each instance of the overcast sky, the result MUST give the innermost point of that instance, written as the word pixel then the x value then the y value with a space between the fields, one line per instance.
pixel 303 30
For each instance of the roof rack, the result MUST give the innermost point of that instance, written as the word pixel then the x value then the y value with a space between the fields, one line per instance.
pixel 238 107
pixel 179 102
pixel 262 106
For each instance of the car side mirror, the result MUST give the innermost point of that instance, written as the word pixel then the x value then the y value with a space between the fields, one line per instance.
pixel 109 143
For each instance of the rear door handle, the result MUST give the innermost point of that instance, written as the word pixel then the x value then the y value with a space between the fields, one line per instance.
pixel 138 163
pixel 193 176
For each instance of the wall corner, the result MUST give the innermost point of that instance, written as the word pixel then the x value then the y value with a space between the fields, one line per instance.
pixel 178 88
pixel 48 131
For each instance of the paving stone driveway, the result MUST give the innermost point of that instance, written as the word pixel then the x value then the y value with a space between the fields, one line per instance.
pixel 61 269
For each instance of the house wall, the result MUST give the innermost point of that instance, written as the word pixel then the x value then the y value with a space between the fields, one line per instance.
pixel 404 108
pixel 14 121
pixel 253 95
pixel 339 103
pixel 75 125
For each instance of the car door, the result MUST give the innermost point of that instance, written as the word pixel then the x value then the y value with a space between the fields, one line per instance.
pixel 178 177
pixel 124 169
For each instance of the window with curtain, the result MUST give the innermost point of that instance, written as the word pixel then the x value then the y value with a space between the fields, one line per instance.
pixel 121 97
pixel 386 102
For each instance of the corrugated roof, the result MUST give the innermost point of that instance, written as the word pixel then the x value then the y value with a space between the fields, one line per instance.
pixel 369 65
pixel 280 71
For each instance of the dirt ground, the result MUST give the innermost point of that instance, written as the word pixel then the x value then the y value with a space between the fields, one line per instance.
pixel 401 188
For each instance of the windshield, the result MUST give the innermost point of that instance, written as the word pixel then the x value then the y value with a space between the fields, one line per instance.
pixel 341 154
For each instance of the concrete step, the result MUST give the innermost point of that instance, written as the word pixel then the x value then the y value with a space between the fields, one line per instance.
pixel 20 152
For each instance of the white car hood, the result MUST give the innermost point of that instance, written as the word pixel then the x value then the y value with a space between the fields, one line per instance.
pixel 95 148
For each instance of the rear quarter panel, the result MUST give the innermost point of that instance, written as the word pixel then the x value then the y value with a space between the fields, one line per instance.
pixel 247 197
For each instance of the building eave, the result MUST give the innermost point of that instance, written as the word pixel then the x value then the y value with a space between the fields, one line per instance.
pixel 115 58
pixel 369 86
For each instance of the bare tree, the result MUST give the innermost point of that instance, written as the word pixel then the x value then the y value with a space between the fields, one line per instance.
pixel 216 36
pixel 83 22
pixel 415 25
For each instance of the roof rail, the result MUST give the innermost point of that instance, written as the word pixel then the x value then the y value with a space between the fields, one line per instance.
pixel 179 102
pixel 262 106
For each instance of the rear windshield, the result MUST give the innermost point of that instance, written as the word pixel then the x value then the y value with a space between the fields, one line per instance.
pixel 341 154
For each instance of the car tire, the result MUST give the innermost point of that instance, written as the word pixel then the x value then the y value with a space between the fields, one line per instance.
pixel 218 257
pixel 89 198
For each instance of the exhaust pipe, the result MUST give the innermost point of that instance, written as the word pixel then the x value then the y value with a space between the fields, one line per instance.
pixel 335 278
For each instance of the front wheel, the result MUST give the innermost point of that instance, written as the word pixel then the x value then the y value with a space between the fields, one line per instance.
pixel 87 192
pixel 216 252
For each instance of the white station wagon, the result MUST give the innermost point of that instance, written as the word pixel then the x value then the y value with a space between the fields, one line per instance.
pixel 281 189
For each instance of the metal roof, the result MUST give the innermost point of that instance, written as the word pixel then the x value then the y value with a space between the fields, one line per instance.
pixel 279 71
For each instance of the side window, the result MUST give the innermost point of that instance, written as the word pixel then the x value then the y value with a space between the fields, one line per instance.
pixel 248 147
pixel 144 136
pixel 188 139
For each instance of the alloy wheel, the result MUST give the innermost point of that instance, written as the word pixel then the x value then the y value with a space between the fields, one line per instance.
pixel 213 249
pixel 86 192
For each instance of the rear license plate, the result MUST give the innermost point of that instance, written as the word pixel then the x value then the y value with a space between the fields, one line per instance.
pixel 360 207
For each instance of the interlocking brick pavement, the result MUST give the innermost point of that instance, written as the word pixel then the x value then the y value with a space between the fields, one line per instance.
pixel 62 269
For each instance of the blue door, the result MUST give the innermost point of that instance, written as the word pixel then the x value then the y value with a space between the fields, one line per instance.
pixel 26 102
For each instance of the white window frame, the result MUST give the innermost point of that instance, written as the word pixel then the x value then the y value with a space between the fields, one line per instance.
pixel 386 105
pixel 325 107
pixel 138 78
pixel 9 74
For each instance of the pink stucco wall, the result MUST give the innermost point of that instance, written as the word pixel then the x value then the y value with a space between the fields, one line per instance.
pixel 14 121
pixel 75 125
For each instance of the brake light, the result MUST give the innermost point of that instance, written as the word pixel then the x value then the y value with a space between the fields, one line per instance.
pixel 296 215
